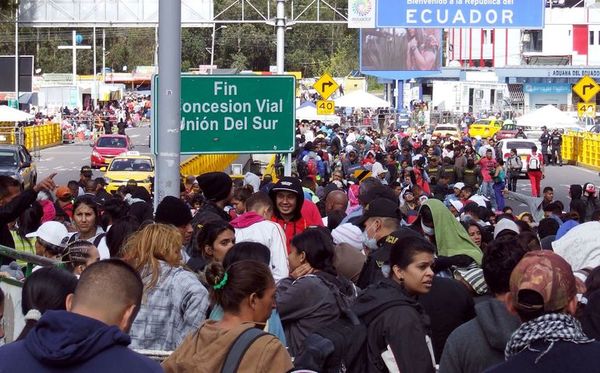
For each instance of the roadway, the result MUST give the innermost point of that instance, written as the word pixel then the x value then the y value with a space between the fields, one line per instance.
pixel 67 159
pixel 559 178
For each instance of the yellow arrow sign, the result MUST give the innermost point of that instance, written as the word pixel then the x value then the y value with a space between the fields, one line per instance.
pixel 586 88
pixel 326 86
pixel 325 107
pixel 586 110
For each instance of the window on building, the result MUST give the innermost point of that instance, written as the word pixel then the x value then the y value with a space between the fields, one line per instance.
pixel 592 37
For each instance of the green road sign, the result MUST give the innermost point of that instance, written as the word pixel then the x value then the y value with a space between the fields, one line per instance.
pixel 233 114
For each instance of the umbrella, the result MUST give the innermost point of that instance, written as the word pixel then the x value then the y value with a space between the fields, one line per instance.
pixel 548 116
pixel 8 114
pixel 360 99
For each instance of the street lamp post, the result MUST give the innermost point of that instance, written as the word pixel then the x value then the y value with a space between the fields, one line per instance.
pixel 212 47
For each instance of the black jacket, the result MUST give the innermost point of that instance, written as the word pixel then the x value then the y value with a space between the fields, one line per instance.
pixel 404 328
pixel 576 203
pixel 448 304
pixel 11 212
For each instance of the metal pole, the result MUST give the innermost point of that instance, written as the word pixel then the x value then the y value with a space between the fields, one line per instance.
pixel 17 52
pixel 156 49
pixel 74 57
pixel 280 36
pixel 280 23
pixel 212 48
pixel 103 56
pixel 169 100
pixel 95 83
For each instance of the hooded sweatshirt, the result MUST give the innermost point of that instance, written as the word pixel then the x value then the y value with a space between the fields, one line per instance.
pixel 251 226
pixel 479 344
pixel 68 342
pixel 577 203
pixel 402 328
pixel 205 350
pixel 301 216
pixel 450 237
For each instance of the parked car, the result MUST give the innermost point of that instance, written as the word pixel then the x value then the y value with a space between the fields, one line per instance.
pixel 16 162
pixel 447 130
pixel 523 147
pixel 130 166
pixel 508 130
pixel 485 128
pixel 107 147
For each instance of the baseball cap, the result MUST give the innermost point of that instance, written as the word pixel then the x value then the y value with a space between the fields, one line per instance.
pixel 379 208
pixel 63 192
pixel 458 205
pixel 545 273
pixel 505 225
pixel 51 232
pixel 459 185
pixel 86 171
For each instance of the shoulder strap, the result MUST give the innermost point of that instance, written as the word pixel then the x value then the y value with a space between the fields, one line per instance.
pixel 98 239
pixel 238 349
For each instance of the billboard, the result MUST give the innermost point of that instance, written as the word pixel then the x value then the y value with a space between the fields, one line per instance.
pixel 7 73
pixel 461 13
pixel 401 49
pixel 109 13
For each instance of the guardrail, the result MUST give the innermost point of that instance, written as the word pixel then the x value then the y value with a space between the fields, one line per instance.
pixel 581 149
pixel 32 137
pixel 201 164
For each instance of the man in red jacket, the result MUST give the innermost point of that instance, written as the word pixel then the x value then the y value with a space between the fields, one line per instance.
pixel 292 211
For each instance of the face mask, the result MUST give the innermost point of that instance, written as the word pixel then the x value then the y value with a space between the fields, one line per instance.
pixel 370 243
pixel 426 230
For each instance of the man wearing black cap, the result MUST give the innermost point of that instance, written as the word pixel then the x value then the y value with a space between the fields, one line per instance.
pixel 291 210
pixel 85 175
pixel 101 194
pixel 380 218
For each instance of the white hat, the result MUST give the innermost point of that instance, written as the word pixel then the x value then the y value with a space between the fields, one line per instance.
pixel 51 232
pixel 348 233
pixel 459 185
pixel 457 204
pixel 505 225
pixel 479 200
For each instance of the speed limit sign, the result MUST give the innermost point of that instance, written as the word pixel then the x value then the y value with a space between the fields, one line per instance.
pixel 325 107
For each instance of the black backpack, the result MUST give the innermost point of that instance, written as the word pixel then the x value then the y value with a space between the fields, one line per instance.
pixel 341 347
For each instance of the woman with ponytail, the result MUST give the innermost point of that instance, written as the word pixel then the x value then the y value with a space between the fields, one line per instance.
pixel 246 293
pixel 46 289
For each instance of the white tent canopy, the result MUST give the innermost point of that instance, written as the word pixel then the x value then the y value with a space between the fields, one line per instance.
pixel 309 112
pixel 8 114
pixel 548 116
pixel 360 99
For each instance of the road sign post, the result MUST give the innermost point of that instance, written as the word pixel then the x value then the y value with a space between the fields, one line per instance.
pixel 235 114
pixel 586 88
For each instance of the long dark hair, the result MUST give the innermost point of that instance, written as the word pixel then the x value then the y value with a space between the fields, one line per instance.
pixel 46 289
pixel 30 220
pixel 318 247
pixel 208 233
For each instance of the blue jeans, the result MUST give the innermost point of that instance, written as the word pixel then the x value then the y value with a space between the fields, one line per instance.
pixel 487 189
pixel 498 188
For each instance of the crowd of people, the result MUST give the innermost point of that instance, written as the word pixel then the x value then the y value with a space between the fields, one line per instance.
pixel 378 254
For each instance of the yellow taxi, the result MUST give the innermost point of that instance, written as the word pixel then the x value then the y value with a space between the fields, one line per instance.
pixel 130 166
pixel 485 128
